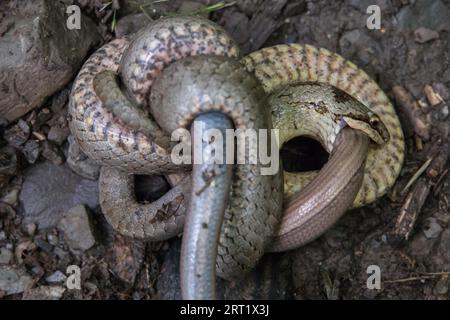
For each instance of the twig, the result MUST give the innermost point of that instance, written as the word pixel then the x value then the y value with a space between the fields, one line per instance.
pixel 418 173
pixel 212 8
pixel 426 275
pixel 432 97
pixel 411 109
pixel 410 210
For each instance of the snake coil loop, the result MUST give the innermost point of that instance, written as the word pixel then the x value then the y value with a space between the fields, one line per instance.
pixel 170 82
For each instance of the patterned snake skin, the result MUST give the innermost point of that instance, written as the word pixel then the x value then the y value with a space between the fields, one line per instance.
pixel 124 150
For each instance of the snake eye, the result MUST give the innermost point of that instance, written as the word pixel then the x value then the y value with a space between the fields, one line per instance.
pixel 374 122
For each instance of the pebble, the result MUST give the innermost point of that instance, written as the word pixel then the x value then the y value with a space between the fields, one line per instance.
pixel 444 112
pixel 442 286
pixel 48 191
pixel 51 152
pixel 13 280
pixel 422 35
pixel 131 24
pixel 52 239
pixel 11 197
pixel 31 151
pixel 58 134
pixel 9 164
pixel 30 229
pixel 432 229
pixel 423 13
pixel 18 134
pixel 5 256
pixel 442 256
pixel 56 277
pixel 77 229
pixel 44 293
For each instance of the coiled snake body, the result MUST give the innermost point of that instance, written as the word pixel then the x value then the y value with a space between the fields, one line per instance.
pixel 252 218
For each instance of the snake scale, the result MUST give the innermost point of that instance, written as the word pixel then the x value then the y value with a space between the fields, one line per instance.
pixel 124 148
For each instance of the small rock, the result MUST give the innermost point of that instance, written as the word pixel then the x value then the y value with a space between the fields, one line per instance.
pixel 359 44
pixel 18 134
pixel 11 197
pixel 8 161
pixel 31 151
pixel 442 286
pixel 38 270
pixel 420 246
pixel 51 152
pixel 5 256
pixel 131 24
pixel 48 191
pixel 58 134
pixel 23 249
pixel 442 256
pixel 41 118
pixel 60 253
pixel 80 163
pixel 13 280
pixel 59 100
pixel 422 35
pixel 30 229
pixel 423 13
pixel 2 235
pixel 56 277
pixel 43 245
pixel 432 229
pixel 44 293
pixel 52 239
pixel 77 229
pixel 45 59
pixel 444 112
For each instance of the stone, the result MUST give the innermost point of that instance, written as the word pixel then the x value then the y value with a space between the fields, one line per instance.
pixel 5 256
pixel 431 229
pixel 44 293
pixel 359 44
pixel 8 165
pixel 422 35
pixel 48 191
pixel 13 280
pixel 56 277
pixel 131 24
pixel 11 197
pixel 18 134
pixel 423 13
pixel 30 229
pixel 77 229
pixel 442 256
pixel 58 134
pixel 80 163
pixel 47 50
pixel 31 151
pixel 51 152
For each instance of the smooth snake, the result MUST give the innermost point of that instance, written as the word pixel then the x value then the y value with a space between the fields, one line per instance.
pixel 123 145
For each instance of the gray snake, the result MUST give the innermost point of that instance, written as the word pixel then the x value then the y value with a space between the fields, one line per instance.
pixel 244 236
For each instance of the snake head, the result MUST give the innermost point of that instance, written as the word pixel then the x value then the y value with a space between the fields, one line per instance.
pixel 369 123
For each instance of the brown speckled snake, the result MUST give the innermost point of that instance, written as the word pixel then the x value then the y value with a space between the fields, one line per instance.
pixel 182 69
